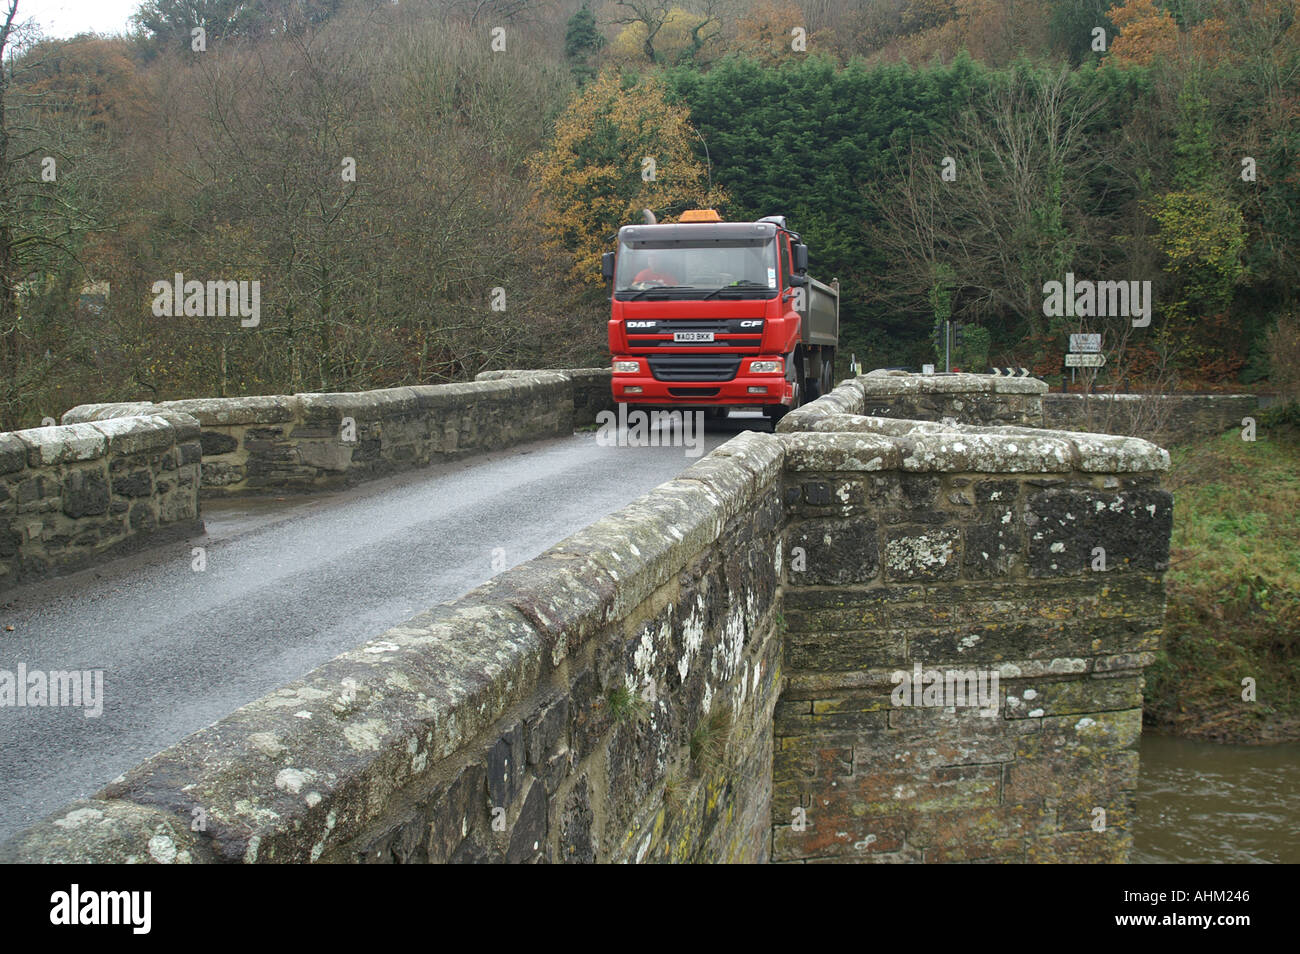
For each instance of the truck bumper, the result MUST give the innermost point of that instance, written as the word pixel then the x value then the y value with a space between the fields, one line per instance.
pixel 742 391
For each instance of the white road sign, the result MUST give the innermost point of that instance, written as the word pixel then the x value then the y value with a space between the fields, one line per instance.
pixel 1089 343
pixel 1085 360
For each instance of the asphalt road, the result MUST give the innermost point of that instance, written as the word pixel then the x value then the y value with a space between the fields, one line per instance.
pixel 288 584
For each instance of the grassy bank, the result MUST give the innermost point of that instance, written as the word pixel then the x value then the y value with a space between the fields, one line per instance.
pixel 1233 588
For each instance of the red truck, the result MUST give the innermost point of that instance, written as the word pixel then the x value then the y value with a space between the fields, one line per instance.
pixel 716 315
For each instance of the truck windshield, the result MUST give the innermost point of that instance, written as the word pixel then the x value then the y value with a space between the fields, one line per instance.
pixel 676 267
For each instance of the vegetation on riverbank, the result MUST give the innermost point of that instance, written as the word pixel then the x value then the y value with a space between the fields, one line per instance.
pixel 1233 588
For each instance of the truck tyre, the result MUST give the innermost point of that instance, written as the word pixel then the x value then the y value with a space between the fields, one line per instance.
pixel 815 386
pixel 828 370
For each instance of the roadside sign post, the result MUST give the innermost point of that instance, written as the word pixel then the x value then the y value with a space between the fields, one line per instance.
pixel 1085 361
pixel 1085 352
pixel 1073 361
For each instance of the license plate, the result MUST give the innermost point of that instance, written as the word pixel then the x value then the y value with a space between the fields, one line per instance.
pixel 687 337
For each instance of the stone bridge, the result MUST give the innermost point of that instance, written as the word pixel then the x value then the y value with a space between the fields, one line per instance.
pixel 911 625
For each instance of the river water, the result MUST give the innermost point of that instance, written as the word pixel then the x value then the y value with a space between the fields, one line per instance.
pixel 1200 802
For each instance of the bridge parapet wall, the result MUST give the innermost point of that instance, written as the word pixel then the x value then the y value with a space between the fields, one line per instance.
pixel 308 442
pixel 610 700
pixel 71 495
pixel 591 390
pixel 682 679
pixel 1163 417
pixel 981 399
pixel 924 554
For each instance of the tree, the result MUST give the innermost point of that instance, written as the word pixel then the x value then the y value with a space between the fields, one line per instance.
pixel 1146 34
pixel 306 161
pixel 846 30
pixel 1194 166
pixel 1284 357
pixel 90 76
pixel 582 41
pixel 758 123
pixel 764 32
pixel 666 32
pixel 581 38
pixel 1149 34
pixel 941 307
pixel 619 147
pixel 1072 25
pixel 171 22
pixel 10 267
pixel 1201 235
pixel 57 167
pixel 1020 211
pixel 921 15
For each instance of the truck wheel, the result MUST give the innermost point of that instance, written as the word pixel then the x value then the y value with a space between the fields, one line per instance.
pixel 828 370
pixel 816 386
pixel 774 412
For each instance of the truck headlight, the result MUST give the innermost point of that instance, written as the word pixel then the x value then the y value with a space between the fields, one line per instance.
pixel 627 367
pixel 765 367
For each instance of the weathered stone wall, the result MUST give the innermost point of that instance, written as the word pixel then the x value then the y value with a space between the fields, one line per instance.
pixel 307 442
pixel 1171 418
pixel 617 697
pixel 972 550
pixel 610 700
pixel 968 398
pixel 73 494
pixel 591 390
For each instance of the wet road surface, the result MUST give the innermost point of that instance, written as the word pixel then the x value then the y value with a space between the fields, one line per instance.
pixel 288 583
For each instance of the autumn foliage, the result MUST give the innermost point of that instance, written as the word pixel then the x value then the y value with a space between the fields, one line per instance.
pixel 1149 34
pixel 620 147
pixel 766 30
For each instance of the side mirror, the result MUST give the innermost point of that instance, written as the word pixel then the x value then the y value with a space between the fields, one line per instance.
pixel 607 266
pixel 798 281
pixel 801 258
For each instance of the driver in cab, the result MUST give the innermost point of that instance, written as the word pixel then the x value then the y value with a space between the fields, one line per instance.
pixel 651 274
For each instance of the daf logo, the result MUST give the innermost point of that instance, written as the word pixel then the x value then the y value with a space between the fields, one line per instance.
pixel 640 324
pixel 751 324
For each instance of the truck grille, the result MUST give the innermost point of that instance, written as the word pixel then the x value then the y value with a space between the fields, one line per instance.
pixel 741 333
pixel 695 367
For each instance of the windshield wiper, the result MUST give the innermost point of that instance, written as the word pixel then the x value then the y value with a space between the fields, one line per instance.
pixel 657 288
pixel 734 286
